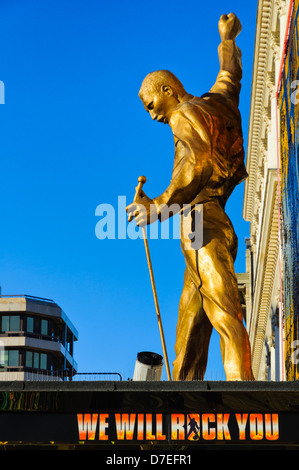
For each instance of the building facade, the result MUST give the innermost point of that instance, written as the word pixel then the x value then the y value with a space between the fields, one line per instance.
pixel 288 105
pixel 36 340
pixel 270 191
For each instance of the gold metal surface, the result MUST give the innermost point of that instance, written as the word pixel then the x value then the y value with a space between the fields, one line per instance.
pixel 208 164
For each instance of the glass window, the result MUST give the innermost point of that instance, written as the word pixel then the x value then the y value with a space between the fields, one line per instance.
pixel 5 358
pixel 43 361
pixel 36 360
pixel 10 323
pixel 14 323
pixel 30 324
pixel 44 327
pixel 29 356
pixel 13 358
pixel 5 323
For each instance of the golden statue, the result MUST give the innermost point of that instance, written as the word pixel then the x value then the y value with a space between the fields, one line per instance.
pixel 208 164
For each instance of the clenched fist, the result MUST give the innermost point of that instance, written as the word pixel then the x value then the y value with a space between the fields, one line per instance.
pixel 229 26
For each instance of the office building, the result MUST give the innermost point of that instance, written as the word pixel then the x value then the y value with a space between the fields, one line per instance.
pixel 36 340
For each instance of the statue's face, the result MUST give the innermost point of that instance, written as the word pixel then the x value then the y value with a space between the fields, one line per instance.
pixel 159 104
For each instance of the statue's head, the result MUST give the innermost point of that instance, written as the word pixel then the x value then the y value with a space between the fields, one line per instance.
pixel 160 93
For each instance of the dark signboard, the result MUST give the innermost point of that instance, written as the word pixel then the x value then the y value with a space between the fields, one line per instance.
pixel 167 415
pixel 163 428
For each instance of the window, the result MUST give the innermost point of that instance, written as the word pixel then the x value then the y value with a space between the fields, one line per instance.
pixel 30 325
pixel 14 323
pixel 43 361
pixel 44 327
pixel 11 357
pixel 36 360
pixel 28 358
pixel 5 323
pixel 37 325
pixel 4 358
pixel 10 323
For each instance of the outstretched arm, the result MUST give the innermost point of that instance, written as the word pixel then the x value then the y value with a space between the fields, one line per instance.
pixel 230 74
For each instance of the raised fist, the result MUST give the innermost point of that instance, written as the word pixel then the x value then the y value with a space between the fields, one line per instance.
pixel 229 26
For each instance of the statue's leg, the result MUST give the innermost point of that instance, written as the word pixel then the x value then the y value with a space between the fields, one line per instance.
pixel 222 306
pixel 212 270
pixel 192 335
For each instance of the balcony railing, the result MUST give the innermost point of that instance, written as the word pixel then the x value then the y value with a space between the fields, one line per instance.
pixel 37 375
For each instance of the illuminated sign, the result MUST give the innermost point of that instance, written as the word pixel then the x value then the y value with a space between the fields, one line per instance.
pixel 136 428
pixel 134 415
pixel 192 427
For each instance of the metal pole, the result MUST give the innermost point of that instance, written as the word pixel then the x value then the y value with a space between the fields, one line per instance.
pixel 141 181
pixel 156 301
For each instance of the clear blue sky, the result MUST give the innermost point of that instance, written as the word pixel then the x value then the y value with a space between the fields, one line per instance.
pixel 74 135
